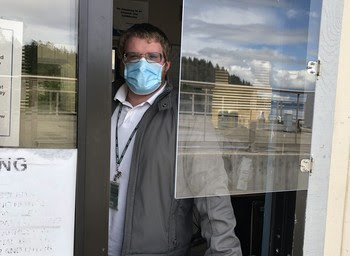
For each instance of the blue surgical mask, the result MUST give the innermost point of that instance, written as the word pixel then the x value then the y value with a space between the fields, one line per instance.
pixel 142 77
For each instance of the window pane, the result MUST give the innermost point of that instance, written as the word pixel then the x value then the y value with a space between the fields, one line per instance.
pixel 246 99
pixel 39 105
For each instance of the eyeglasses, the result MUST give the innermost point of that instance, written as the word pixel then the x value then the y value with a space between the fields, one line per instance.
pixel 151 57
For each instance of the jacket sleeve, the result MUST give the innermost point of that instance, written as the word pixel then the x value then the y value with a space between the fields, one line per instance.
pixel 217 225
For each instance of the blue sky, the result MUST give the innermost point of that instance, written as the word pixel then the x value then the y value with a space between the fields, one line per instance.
pixel 242 34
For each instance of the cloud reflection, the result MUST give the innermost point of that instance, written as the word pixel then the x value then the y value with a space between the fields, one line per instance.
pixel 238 34
pixel 47 21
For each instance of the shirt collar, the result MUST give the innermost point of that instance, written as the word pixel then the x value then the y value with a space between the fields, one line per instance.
pixel 123 92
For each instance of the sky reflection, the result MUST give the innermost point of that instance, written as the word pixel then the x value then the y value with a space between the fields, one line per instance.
pixel 241 35
pixel 46 21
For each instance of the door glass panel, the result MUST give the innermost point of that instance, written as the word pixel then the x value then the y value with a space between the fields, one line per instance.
pixel 38 75
pixel 246 99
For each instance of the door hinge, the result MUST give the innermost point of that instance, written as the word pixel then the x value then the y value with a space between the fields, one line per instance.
pixel 314 67
pixel 306 165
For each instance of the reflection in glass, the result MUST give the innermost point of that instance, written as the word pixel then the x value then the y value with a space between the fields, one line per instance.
pixel 10 71
pixel 246 100
pixel 49 78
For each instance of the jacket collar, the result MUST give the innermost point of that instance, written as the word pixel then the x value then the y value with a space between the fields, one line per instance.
pixel 164 99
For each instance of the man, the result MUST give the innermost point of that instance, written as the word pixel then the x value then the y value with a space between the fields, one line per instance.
pixel 145 218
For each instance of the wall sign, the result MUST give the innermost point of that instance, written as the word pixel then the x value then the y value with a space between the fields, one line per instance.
pixel 11 33
pixel 128 13
pixel 37 201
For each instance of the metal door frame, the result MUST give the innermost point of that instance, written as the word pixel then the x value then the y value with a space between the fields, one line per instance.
pixel 94 112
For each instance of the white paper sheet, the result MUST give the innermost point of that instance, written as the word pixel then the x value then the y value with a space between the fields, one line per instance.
pixel 37 201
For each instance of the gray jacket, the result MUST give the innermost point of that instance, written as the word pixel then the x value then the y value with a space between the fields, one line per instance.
pixel 156 223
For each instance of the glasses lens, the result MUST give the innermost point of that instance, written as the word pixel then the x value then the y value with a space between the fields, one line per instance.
pixel 132 57
pixel 151 57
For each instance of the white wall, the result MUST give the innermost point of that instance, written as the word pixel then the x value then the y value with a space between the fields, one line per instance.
pixel 337 237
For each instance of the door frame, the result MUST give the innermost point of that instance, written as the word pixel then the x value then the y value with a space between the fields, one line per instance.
pixel 94 113
pixel 328 183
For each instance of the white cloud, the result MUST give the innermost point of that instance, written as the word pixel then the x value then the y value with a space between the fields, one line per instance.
pixel 294 79
pixel 54 21
pixel 218 35
pixel 292 13
pixel 244 57
pixel 233 16
pixel 251 64
pixel 283 79
pixel 57 36
pixel 242 72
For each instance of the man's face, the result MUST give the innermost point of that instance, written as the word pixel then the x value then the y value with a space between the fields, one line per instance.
pixel 143 46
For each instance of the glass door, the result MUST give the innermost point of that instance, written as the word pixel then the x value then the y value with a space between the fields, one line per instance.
pixel 38 126
pixel 246 111
pixel 246 98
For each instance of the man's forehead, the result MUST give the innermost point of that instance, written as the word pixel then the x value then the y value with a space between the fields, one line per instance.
pixel 147 39
pixel 131 41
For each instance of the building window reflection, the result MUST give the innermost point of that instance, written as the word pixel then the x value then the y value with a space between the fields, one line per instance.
pixel 48 93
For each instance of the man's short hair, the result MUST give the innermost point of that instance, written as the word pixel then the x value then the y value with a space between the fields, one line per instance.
pixel 148 32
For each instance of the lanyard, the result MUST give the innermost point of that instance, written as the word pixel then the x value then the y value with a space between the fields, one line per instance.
pixel 120 158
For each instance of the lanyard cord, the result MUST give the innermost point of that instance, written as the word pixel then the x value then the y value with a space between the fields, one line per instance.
pixel 120 158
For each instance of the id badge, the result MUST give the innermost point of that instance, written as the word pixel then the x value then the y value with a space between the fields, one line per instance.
pixel 113 197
